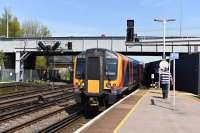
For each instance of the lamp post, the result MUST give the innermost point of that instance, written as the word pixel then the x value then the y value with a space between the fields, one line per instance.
pixel 7 24
pixel 164 21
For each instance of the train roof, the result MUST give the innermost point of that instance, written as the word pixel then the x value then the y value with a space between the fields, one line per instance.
pixel 100 50
pixel 106 50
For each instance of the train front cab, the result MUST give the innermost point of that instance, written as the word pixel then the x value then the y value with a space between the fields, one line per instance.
pixel 101 77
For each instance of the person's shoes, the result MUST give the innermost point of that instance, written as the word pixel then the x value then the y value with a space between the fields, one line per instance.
pixel 152 102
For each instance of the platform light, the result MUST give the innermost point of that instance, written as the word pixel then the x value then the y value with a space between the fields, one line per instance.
pixel 56 45
pixel 164 21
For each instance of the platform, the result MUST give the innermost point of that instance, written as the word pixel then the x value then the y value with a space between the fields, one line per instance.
pixel 143 117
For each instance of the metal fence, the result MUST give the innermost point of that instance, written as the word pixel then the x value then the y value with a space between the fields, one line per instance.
pixel 30 75
pixel 7 75
pixel 37 74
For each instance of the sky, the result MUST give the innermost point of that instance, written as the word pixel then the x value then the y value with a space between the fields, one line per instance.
pixel 96 17
pixel 108 17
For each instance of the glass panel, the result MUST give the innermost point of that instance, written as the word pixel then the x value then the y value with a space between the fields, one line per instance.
pixel 111 69
pixel 80 68
pixel 93 68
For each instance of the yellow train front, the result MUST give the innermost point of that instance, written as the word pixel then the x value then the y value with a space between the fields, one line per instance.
pixel 101 76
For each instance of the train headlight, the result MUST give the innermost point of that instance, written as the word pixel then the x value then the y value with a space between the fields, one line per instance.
pixel 114 91
pixel 76 90
pixel 82 84
pixel 114 85
pixel 108 85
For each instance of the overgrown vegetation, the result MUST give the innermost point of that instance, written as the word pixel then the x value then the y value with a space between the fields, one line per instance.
pixel 41 62
pixel 31 28
pixel 2 59
pixel 13 24
pixel 28 28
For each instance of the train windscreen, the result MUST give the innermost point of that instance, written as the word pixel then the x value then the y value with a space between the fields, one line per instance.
pixel 93 68
pixel 80 68
pixel 111 69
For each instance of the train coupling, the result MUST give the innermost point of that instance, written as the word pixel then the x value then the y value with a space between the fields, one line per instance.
pixel 93 101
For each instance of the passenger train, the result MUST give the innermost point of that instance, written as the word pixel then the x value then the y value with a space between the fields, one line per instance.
pixel 101 76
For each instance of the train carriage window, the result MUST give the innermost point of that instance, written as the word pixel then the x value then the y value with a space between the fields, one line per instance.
pixel 111 69
pixel 136 69
pixel 80 68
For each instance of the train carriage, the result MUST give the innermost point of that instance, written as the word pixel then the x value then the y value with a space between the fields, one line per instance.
pixel 101 76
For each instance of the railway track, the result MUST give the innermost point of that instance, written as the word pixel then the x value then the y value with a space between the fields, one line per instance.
pixel 30 109
pixel 61 124
pixel 12 102
pixel 33 121
pixel 13 89
pixel 25 93
pixel 32 103
pixel 26 90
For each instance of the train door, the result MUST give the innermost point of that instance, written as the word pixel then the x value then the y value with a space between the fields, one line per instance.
pixel 94 76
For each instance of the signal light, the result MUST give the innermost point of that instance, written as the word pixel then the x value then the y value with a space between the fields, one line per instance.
pixel 130 31
pixel 69 45
pixel 114 85
pixel 137 40
pixel 130 23
pixel 108 85
pixel 41 45
pixel 130 36
pixel 55 46
pixel 48 48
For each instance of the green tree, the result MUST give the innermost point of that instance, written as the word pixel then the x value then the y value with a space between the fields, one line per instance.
pixel 13 24
pixel 2 59
pixel 15 28
pixel 32 28
pixel 41 62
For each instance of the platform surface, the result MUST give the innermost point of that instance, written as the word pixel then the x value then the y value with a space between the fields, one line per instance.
pixel 161 118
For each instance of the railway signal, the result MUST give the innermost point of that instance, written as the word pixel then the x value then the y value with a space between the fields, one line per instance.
pixel 130 36
pixel 69 45
pixel 48 49
pixel 55 46
pixel 41 45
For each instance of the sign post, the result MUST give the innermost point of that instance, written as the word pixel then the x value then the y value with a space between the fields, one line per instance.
pixel 169 74
pixel 152 78
pixel 174 56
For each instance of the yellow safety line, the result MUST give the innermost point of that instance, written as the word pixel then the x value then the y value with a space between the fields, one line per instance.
pixel 129 113
pixel 190 97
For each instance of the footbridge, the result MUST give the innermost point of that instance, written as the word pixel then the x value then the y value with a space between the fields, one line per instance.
pixel 22 48
pixel 145 46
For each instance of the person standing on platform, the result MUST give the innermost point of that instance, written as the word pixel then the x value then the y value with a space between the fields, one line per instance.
pixel 164 79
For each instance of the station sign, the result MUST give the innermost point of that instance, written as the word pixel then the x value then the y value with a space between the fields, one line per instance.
pixel 174 56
